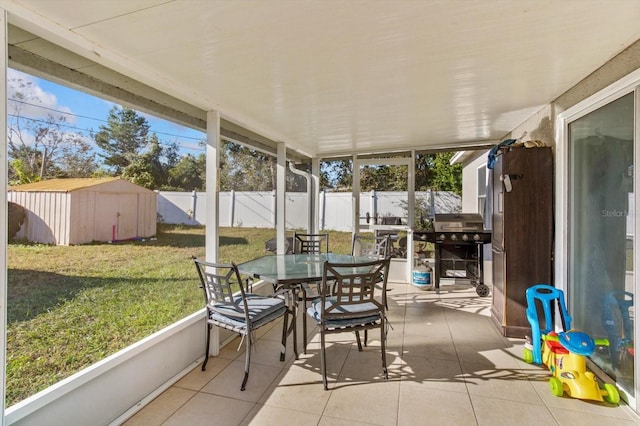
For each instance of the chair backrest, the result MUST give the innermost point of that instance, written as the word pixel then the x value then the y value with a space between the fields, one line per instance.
pixel 363 283
pixel 310 243
pixel 616 307
pixel 370 245
pixel 219 282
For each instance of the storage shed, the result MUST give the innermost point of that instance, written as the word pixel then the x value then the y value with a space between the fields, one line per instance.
pixel 78 211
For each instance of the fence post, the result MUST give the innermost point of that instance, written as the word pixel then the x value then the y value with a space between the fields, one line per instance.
pixel 374 206
pixel 232 207
pixel 274 206
pixel 194 203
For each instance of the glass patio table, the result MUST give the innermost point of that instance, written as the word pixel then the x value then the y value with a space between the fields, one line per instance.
pixel 286 270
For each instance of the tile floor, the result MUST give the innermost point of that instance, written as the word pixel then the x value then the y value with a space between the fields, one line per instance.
pixel 448 364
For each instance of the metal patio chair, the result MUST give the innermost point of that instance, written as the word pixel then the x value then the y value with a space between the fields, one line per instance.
pixel 354 305
pixel 374 246
pixel 367 244
pixel 242 312
pixel 309 244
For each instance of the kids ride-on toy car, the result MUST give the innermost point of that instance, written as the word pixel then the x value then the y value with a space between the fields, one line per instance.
pixel 565 352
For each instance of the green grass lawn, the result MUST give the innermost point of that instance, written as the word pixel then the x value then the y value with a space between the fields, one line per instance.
pixel 69 307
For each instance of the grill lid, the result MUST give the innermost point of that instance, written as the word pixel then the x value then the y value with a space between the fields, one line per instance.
pixel 458 222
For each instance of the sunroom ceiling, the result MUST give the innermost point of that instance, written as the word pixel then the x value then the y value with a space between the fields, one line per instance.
pixel 331 78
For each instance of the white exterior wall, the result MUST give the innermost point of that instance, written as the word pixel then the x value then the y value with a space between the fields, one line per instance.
pixel 470 183
pixel 470 187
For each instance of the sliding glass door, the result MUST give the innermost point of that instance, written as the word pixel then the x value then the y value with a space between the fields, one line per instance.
pixel 601 233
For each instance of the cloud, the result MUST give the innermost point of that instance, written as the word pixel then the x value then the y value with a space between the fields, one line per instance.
pixel 27 99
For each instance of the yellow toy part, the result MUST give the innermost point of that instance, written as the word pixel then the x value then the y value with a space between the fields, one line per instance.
pixel 569 369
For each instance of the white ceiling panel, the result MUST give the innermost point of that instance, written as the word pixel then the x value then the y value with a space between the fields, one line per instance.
pixel 334 77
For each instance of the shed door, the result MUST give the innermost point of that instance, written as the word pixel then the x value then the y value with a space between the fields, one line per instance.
pixel 117 216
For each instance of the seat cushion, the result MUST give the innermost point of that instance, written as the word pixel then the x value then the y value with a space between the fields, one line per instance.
pixel 259 307
pixel 351 318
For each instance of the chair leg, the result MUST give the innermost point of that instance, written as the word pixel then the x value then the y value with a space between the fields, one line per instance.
pixel 285 329
pixel 206 351
pixel 358 340
pixel 323 361
pixel 304 320
pixel 247 361
pixel 383 338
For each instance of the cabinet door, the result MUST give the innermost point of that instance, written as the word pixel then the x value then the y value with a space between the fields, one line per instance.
pixel 497 292
pixel 528 226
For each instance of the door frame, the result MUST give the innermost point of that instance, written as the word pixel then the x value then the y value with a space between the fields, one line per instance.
pixel 622 87
pixel 410 162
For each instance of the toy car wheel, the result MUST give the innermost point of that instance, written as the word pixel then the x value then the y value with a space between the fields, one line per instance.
pixel 612 396
pixel 556 386
pixel 482 290
pixel 527 355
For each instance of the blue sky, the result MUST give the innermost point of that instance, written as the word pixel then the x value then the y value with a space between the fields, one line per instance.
pixel 87 113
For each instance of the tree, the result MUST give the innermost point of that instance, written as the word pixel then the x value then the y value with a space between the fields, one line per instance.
pixel 432 171
pixel 131 152
pixel 188 174
pixel 37 144
pixel 151 168
pixel 20 174
pixel 245 169
pixel 336 175
pixel 76 159
pixel 122 139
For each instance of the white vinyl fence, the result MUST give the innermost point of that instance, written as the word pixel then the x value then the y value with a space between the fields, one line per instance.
pixel 258 209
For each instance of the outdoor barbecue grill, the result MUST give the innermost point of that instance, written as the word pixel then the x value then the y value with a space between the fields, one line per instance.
pixel 458 240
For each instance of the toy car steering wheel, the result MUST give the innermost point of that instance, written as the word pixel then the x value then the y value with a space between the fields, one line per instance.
pixel 577 342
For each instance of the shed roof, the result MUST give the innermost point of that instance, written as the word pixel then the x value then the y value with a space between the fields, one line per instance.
pixel 63 185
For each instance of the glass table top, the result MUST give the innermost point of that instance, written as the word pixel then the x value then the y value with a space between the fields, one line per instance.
pixel 294 268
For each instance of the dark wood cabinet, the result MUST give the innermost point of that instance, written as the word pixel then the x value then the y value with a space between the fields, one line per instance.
pixel 522 236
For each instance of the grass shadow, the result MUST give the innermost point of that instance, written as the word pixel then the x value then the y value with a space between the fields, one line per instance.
pixel 31 293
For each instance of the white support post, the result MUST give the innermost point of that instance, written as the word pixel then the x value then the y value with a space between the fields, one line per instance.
pixel 281 194
pixel 355 194
pixel 213 167
pixel 411 213
pixel 3 210
pixel 310 197
pixel 212 230
pixel 315 176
